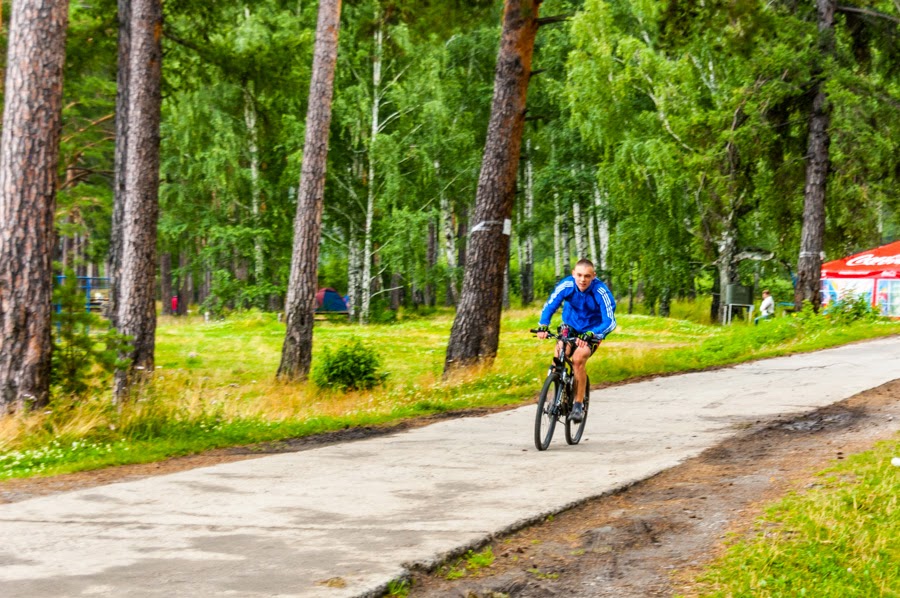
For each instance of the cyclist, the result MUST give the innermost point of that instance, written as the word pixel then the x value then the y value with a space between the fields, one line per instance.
pixel 589 315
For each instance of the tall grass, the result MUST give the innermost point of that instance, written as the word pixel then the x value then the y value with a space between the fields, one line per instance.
pixel 214 385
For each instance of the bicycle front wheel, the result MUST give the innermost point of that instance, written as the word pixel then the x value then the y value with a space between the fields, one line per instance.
pixel 545 418
pixel 573 430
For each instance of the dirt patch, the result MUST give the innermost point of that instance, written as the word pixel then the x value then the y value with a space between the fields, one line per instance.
pixel 652 538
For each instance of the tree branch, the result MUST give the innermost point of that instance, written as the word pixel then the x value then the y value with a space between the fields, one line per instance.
pixel 88 126
pixel 868 12
pixel 554 19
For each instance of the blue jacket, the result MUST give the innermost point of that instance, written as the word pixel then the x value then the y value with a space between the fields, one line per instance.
pixel 591 310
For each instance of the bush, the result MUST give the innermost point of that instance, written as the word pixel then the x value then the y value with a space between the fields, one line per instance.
pixel 350 367
pixel 83 342
pixel 853 308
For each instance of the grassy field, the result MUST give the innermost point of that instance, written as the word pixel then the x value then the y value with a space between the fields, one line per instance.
pixel 215 384
pixel 838 539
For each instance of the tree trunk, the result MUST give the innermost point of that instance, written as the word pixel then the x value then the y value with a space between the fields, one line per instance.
pixel 580 247
pixel 29 156
pixel 370 183
pixel 136 308
pixel 253 147
pixel 728 273
pixel 462 235
pixel 449 249
pixel 476 329
pixel 165 283
pixel 354 272
pixel 557 239
pixel 526 268
pixel 185 286
pixel 431 260
pixel 592 238
pixel 809 262
pixel 296 354
pixel 396 292
pixel 115 239
pixel 602 234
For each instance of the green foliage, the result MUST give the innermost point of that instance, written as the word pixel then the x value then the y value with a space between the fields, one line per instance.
pixel 352 366
pixel 856 308
pixel 84 345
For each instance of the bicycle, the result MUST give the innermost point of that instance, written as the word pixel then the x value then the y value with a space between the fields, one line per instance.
pixel 557 397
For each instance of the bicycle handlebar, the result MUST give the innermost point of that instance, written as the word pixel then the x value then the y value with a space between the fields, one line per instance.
pixel 570 339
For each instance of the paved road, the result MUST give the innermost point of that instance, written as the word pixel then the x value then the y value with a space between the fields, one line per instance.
pixel 344 520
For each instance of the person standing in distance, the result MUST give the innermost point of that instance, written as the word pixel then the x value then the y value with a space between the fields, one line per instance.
pixel 589 313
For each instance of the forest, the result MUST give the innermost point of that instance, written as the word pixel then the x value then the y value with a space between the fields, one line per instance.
pixel 681 146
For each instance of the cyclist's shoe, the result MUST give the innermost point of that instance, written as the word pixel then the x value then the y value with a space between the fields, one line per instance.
pixel 577 413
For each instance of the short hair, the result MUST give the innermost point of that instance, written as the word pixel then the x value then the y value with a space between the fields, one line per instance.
pixel 585 262
pixel 766 292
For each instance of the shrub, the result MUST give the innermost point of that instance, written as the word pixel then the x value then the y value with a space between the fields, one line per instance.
pixel 83 341
pixel 352 366
pixel 852 308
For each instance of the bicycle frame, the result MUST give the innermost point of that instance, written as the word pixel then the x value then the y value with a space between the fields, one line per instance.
pixel 562 365
pixel 555 408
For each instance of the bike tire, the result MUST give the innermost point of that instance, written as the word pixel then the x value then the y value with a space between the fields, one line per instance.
pixel 545 418
pixel 573 430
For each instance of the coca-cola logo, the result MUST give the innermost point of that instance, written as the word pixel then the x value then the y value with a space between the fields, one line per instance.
pixel 867 259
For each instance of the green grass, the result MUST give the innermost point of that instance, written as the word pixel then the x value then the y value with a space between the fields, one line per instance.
pixel 470 564
pixel 215 387
pixel 837 539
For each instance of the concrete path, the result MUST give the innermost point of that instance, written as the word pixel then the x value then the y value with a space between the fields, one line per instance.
pixel 344 520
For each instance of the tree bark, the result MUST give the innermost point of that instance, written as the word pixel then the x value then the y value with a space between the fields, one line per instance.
pixel 728 273
pixel 253 148
pixel 526 268
pixel 185 283
pixel 136 308
pixel 809 262
pixel 557 239
pixel 121 151
pixel 354 272
pixel 29 156
pixel 431 260
pixel 296 353
pixel 476 329
pixel 580 246
pixel 602 234
pixel 370 183
pixel 449 249
pixel 165 283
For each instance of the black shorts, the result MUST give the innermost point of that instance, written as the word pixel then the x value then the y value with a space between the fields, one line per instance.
pixel 572 333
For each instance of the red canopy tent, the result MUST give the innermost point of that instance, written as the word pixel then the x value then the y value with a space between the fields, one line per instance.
pixel 873 274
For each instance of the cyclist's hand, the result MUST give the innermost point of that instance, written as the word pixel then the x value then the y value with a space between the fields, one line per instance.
pixel 584 339
pixel 542 332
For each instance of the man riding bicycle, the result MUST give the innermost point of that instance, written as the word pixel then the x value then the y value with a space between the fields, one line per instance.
pixel 589 315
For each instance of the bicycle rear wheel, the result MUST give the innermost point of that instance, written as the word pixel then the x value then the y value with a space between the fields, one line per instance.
pixel 573 430
pixel 545 418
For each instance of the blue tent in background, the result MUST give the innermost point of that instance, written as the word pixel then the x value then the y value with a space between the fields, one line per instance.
pixel 328 300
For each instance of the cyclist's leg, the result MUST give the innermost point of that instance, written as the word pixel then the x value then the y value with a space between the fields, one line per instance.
pixel 579 359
